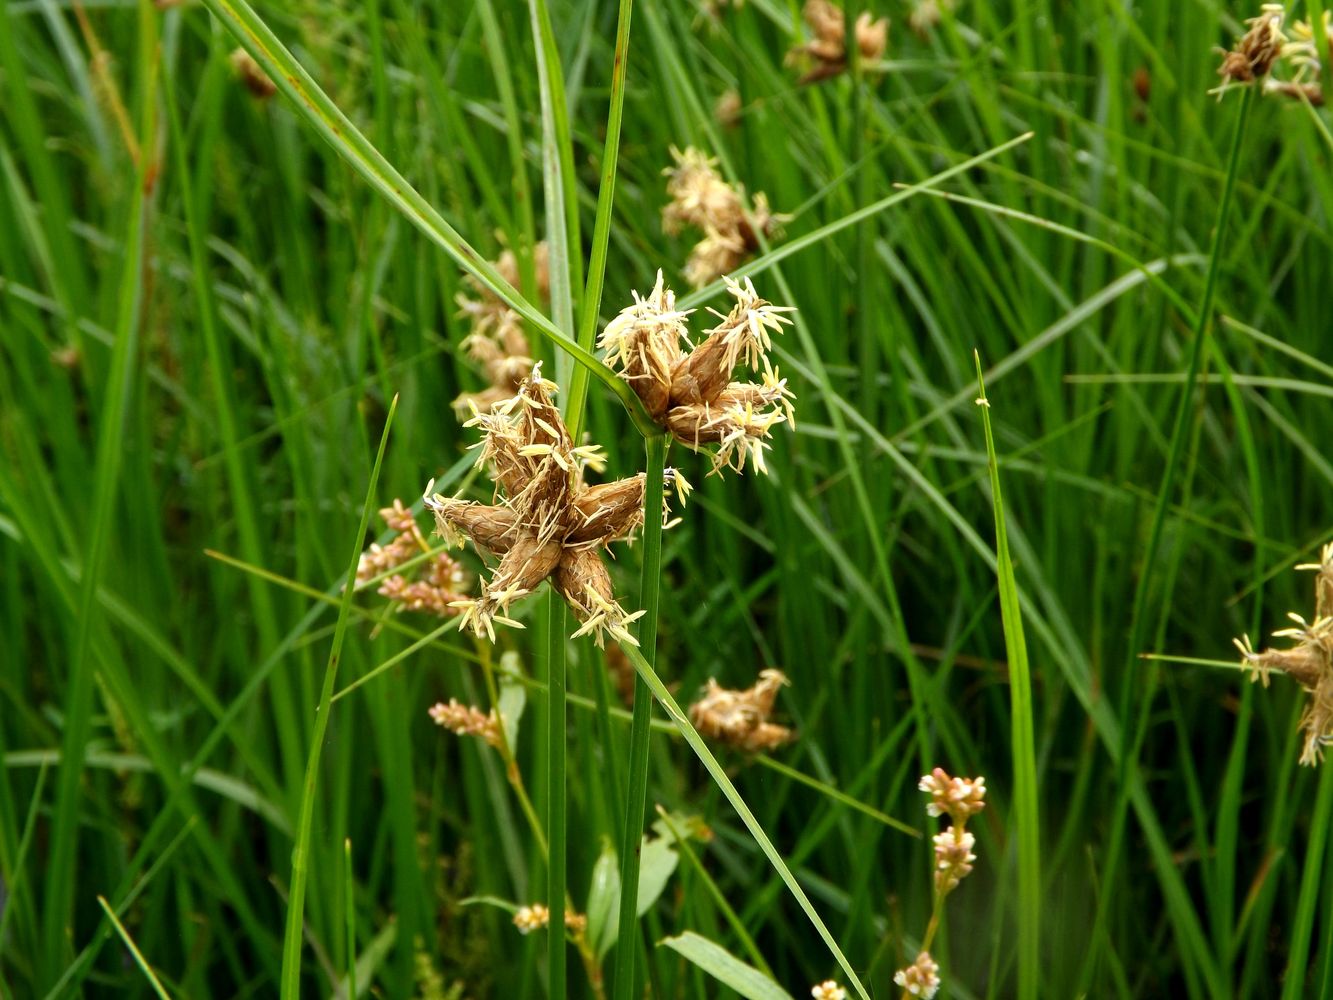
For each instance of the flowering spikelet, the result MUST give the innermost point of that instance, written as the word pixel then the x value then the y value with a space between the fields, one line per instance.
pixel 1304 56
pixel 546 521
pixel 740 718
pixel 1255 53
pixel 537 916
pixel 433 586
pixel 700 198
pixel 1308 660
pixel 921 978
pixel 466 720
pixel 497 341
pixel 926 14
pixel 959 798
pixel 828 990
pixel 828 46
pixel 690 393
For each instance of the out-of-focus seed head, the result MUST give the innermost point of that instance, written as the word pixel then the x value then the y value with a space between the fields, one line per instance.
pixel 1256 52
pixel 921 978
pixel 740 718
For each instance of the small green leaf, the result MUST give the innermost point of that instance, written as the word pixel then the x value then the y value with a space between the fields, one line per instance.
pixel 657 861
pixel 513 697
pixel 603 900
pixel 726 968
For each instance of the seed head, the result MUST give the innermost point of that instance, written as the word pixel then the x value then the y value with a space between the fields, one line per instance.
pixel 828 990
pixel 1255 53
pixel 536 916
pixel 960 798
pixel 703 200
pixel 690 393
pixel 740 718
pixel 546 521
pixel 953 858
pixel 921 978
pixel 827 47
pixel 467 720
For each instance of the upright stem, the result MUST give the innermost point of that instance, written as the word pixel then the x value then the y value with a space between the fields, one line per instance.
pixel 641 728
pixel 555 793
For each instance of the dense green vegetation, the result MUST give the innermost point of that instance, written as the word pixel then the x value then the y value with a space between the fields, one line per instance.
pixel 207 313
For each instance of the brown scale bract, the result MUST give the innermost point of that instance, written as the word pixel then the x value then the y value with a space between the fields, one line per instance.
pixel 1308 660
pixel 497 341
pixel 690 391
pixel 546 522
pixel 827 47
pixel 740 718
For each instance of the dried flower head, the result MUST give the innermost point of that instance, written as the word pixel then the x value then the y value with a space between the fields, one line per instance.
pixel 537 916
pixel 926 14
pixel 467 720
pixel 690 393
pixel 547 522
pixel 251 75
pixel 827 47
pixel 727 109
pixel 700 198
pixel 740 718
pixel 497 341
pixel 960 798
pixel 1308 660
pixel 828 990
pixel 921 978
pixel 1255 53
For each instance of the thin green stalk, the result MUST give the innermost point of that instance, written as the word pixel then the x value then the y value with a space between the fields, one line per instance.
pixel 139 960
pixel 601 231
pixel 58 896
pixel 691 736
pixel 556 749
pixel 291 947
pixel 1131 694
pixel 636 800
pixel 1307 904
pixel 349 894
pixel 1027 830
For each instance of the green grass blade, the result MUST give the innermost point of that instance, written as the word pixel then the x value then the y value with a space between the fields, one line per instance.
pixel 139 960
pixel 1027 828
pixel 292 938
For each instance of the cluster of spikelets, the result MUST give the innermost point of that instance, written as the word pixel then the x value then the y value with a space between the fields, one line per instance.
pixel 467 720
pixel 1265 47
pixel 434 585
pixel 703 200
pixel 536 916
pixel 827 49
pixel 688 389
pixel 497 342
pixel 1308 660
pixel 740 718
pixel 546 521
pixel 960 799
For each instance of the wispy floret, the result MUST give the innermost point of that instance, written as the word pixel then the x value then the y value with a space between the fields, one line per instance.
pixel 921 978
pixel 546 521
pixel 827 48
pixel 700 198
pixel 740 718
pixel 1257 50
pixel 497 341
pixel 688 390
pixel 1308 660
